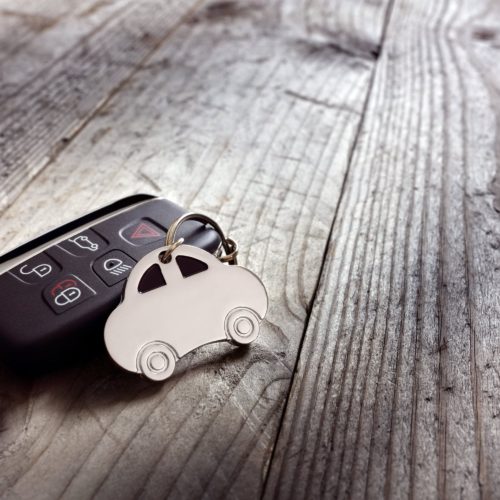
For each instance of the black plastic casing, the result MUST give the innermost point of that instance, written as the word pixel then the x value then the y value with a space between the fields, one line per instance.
pixel 48 317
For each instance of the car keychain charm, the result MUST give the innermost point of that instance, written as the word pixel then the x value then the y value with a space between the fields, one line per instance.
pixel 180 297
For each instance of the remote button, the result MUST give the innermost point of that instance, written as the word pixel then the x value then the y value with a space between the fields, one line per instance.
pixel 37 269
pixel 113 267
pixel 66 293
pixel 142 232
pixel 84 244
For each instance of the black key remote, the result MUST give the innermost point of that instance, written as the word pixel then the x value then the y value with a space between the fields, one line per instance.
pixel 57 291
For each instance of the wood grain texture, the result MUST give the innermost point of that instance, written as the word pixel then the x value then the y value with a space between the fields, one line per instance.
pixel 52 37
pixel 21 23
pixel 45 113
pixel 396 393
pixel 248 112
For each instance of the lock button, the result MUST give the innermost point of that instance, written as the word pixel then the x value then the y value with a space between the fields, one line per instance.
pixel 37 269
pixel 69 291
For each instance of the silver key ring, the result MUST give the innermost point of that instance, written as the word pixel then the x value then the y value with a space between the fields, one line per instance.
pixel 165 255
pixel 229 246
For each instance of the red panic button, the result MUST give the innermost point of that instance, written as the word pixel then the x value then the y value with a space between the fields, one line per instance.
pixel 66 293
pixel 142 232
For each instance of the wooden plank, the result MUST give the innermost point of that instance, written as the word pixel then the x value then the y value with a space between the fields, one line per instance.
pixel 396 392
pixel 22 22
pixel 247 114
pixel 53 37
pixel 37 122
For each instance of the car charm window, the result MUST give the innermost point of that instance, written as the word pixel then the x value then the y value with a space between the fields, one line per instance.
pixel 151 279
pixel 190 266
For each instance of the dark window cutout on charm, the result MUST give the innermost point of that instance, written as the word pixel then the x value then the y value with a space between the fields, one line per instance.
pixel 190 266
pixel 151 279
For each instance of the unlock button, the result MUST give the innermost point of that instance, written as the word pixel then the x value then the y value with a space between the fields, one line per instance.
pixel 36 269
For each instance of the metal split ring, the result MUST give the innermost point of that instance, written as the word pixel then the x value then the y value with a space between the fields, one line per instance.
pixel 229 246
pixel 165 255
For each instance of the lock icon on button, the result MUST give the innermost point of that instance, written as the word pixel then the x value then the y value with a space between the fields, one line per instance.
pixel 69 291
pixel 65 292
pixel 67 296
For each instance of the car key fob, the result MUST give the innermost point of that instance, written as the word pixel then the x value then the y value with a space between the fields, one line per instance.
pixel 57 291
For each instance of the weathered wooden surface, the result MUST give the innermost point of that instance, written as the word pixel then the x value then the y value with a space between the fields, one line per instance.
pixel 397 388
pixel 56 97
pixel 352 141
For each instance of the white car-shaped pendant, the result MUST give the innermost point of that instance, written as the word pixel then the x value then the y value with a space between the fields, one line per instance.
pixel 170 309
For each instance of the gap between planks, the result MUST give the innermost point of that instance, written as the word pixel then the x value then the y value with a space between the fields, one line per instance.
pixel 390 9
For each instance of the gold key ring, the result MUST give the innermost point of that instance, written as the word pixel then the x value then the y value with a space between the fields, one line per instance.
pixel 229 246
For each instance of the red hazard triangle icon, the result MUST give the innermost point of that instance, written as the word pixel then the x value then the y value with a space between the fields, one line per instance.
pixel 143 230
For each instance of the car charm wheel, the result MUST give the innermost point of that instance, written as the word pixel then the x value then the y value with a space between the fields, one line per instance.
pixel 242 325
pixel 156 361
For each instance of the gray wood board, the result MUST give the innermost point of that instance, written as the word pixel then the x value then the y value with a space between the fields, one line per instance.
pixel 59 97
pixel 396 392
pixel 249 113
